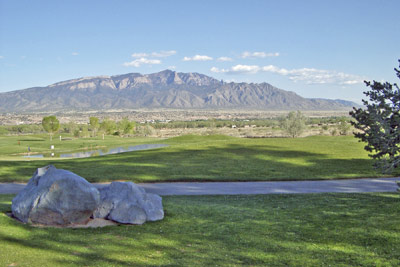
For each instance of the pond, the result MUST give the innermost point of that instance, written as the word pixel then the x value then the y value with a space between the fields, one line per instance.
pixel 99 152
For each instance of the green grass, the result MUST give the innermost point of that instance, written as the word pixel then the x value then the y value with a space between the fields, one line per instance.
pixel 205 158
pixel 261 230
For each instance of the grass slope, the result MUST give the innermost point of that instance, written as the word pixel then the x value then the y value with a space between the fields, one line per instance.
pixel 263 230
pixel 207 158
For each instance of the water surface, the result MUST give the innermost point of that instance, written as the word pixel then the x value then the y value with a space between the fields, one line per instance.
pixel 100 152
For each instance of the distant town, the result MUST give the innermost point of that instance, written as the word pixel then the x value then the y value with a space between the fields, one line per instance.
pixel 146 116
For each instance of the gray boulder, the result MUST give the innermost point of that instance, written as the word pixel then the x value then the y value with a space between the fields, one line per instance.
pixel 127 212
pixel 56 197
pixel 126 202
pixel 152 205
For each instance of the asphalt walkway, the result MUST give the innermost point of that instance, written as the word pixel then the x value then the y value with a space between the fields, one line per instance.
pixel 251 188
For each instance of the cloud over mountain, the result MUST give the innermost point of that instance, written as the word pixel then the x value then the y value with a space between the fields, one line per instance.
pixel 142 61
pixel 154 54
pixel 306 75
pixel 198 58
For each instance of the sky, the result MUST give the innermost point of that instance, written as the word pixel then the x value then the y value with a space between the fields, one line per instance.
pixel 318 49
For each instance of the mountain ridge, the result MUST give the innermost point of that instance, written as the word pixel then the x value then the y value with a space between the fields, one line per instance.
pixel 165 89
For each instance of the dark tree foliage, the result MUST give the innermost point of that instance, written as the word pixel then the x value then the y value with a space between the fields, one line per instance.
pixel 379 123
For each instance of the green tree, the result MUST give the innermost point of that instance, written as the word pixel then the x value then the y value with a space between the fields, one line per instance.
pixel 51 125
pixel 72 126
pixel 125 126
pixel 379 123
pixel 77 133
pixel 94 124
pixel 343 126
pixel 108 126
pixel 84 132
pixel 294 124
pixel 144 130
pixel 69 127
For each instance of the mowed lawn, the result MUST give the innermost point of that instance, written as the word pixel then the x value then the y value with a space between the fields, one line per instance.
pixel 258 230
pixel 198 158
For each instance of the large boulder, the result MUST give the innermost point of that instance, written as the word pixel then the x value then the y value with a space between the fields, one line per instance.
pixel 56 197
pixel 126 202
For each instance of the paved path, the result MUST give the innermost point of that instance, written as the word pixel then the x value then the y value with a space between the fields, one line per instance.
pixel 236 188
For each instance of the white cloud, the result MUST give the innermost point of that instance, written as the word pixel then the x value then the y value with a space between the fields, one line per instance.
pixel 155 54
pixel 316 76
pixel 139 55
pixel 245 68
pixel 247 54
pixel 222 59
pixel 306 75
pixel 171 67
pixel 1 57
pixel 74 53
pixel 163 53
pixel 217 70
pixel 237 69
pixel 350 82
pixel 141 61
pixel 198 58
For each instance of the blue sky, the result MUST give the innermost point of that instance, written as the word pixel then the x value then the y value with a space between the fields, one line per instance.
pixel 321 49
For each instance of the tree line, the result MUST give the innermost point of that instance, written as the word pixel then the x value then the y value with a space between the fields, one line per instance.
pixel 268 122
pixel 51 125
pixel 125 127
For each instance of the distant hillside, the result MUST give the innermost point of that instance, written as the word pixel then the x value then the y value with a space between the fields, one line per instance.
pixel 165 89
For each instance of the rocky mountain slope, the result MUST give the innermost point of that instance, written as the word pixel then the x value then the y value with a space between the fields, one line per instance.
pixel 165 89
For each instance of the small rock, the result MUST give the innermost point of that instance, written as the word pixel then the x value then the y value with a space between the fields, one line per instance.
pixel 127 212
pixel 152 204
pixel 126 202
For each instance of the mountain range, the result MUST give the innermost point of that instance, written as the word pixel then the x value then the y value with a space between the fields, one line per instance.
pixel 165 89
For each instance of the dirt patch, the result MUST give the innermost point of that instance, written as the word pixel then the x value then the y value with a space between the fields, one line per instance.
pixel 92 223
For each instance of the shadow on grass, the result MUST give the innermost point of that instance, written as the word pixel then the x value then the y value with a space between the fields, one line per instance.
pixel 31 140
pixel 231 162
pixel 307 230
pixel 5 205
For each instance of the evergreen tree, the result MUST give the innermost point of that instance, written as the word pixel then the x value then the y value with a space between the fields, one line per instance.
pixel 379 123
